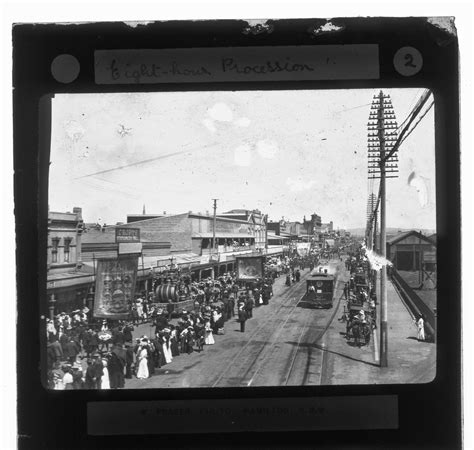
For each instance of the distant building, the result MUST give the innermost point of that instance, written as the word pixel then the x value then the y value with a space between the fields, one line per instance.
pixel 255 218
pixel 327 228
pixel 280 228
pixel 411 251
pixel 277 245
pixel 313 225
pixel 297 230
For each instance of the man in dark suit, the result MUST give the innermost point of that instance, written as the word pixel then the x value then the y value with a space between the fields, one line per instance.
pixel 242 316
pixel 118 337
pixel 128 361
pixel 71 350
pixel 116 364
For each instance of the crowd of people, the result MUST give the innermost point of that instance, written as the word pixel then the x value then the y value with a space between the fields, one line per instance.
pixel 88 353
pixel 84 352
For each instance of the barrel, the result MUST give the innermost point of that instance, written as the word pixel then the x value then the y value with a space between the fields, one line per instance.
pixel 166 293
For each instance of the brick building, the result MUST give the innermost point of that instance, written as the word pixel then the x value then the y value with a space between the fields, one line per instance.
pixel 68 279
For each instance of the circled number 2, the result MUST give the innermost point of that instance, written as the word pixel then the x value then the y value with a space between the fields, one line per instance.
pixel 407 61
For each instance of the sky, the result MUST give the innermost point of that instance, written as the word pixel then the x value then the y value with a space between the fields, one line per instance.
pixel 287 153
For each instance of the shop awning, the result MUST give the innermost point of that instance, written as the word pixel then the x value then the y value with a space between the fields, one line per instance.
pixel 68 279
pixel 222 235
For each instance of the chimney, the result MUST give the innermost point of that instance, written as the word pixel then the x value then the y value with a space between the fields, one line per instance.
pixel 78 212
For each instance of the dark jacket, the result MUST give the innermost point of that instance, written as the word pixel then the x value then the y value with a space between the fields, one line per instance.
pixel 70 349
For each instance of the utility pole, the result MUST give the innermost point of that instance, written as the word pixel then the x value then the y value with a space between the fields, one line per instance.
pixel 265 221
pixel 214 246
pixel 214 251
pixel 374 244
pixel 383 238
pixel 381 138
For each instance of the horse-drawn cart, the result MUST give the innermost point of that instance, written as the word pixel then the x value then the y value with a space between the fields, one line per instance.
pixel 359 323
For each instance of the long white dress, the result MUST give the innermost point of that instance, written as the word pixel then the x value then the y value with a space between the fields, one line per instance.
pixel 209 337
pixel 142 371
pixel 167 352
pixel 421 329
pixel 105 380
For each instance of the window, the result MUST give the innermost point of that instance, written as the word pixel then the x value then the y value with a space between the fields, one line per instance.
pixel 67 246
pixel 54 250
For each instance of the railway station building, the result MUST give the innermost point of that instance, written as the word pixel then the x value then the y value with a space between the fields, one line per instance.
pixel 412 251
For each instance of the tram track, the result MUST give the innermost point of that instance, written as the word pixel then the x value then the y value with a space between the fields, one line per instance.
pixel 252 363
pixel 285 304
pixel 309 355
pixel 269 350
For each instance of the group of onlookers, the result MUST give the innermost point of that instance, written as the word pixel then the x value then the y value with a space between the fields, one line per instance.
pixel 87 353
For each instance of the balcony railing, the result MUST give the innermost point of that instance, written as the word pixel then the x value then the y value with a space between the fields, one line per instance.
pixel 227 249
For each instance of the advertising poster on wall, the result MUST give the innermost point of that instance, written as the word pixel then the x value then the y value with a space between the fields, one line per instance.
pixel 115 287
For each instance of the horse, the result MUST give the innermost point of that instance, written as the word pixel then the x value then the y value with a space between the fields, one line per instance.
pixel 361 332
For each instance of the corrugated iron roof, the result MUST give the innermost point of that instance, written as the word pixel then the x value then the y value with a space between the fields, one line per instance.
pixel 400 236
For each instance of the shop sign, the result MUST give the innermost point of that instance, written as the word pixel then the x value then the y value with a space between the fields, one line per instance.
pixel 127 234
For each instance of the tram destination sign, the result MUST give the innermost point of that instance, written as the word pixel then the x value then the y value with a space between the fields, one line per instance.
pixel 127 235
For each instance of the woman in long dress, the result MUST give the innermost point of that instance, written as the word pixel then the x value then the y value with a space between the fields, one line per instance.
pixel 142 371
pixel 174 342
pixel 421 328
pixel 105 380
pixel 167 348
pixel 139 311
pixel 208 337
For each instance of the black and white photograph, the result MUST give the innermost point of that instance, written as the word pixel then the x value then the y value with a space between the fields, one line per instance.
pixel 241 238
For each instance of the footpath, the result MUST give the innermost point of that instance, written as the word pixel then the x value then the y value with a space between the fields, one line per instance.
pixel 409 361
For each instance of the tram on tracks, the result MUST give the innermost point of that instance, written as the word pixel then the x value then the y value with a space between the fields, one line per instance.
pixel 319 289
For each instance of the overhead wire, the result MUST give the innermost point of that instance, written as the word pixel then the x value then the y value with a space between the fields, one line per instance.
pixel 416 124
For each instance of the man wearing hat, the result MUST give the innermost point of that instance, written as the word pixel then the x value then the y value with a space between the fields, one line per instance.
pixel 116 364
pixel 242 315
pixel 160 322
pixel 71 350
pixel 249 305
pixel 129 355
pixel 232 305
pixel 361 316
pixel 189 339
pixel 94 372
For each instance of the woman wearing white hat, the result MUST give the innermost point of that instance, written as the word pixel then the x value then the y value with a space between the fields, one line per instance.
pixel 167 346
pixel 142 371
pixel 208 336
pixel 105 380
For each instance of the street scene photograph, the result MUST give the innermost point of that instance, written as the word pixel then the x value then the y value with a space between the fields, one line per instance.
pixel 253 238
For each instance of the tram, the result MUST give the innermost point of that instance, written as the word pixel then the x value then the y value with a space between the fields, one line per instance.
pixel 319 290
